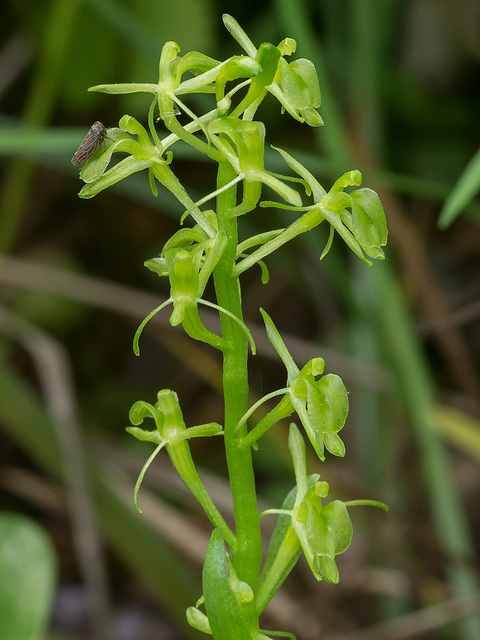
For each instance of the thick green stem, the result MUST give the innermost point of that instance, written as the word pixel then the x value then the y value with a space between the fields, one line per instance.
pixel 248 555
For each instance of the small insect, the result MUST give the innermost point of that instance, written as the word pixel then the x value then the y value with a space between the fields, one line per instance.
pixel 94 138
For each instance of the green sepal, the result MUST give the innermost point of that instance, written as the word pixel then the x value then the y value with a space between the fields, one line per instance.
pixel 184 238
pixel 233 69
pixel 280 347
pixel 125 87
pixel 314 187
pixel 125 168
pixel 242 144
pixel 188 259
pixel 267 57
pixel 299 83
pixel 369 224
pixel 183 268
pixel 142 155
pixel 239 34
pixel 322 405
pixel 287 46
pixel 116 140
pixel 194 61
pixel 301 94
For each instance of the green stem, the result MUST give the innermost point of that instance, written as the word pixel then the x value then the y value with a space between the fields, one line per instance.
pixel 254 407
pixel 183 463
pixel 169 180
pixel 176 128
pixel 248 555
pixel 307 222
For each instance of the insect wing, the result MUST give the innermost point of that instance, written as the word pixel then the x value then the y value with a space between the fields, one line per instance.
pixel 94 138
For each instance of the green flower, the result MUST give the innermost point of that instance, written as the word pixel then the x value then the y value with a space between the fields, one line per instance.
pixel 142 154
pixel 323 531
pixel 295 84
pixel 363 228
pixel 321 405
pixel 171 433
pixel 188 260
pixel 242 144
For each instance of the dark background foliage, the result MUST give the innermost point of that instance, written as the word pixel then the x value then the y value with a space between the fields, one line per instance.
pixel 400 87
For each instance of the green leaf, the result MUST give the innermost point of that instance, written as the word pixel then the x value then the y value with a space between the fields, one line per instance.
pixel 301 89
pixel 223 607
pixel 27 578
pixel 462 193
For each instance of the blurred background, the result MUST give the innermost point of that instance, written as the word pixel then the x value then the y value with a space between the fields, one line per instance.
pixel 400 88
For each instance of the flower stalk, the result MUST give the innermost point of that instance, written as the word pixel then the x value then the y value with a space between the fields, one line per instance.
pixel 236 587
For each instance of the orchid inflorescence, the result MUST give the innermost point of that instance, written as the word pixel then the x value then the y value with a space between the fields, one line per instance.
pixel 236 587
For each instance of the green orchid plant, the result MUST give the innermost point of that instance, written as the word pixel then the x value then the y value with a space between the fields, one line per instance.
pixel 237 582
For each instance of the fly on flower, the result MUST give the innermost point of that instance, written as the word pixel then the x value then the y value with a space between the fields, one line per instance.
pixel 94 138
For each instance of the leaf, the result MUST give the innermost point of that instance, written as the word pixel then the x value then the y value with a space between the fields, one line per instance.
pixel 27 578
pixel 222 605
pixel 462 193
